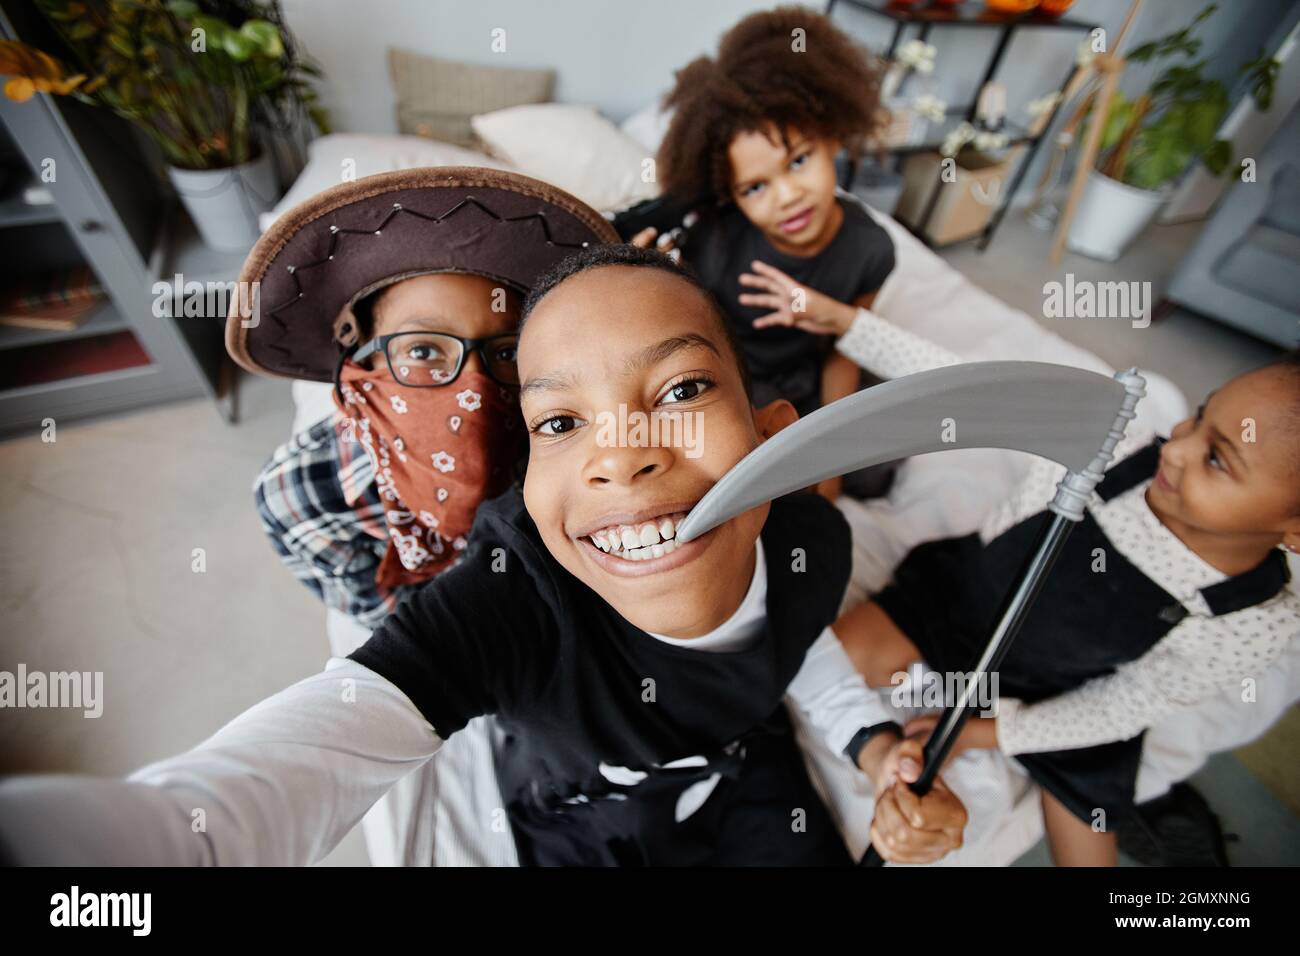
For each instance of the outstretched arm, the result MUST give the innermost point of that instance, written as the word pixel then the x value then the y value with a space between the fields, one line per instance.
pixel 280 785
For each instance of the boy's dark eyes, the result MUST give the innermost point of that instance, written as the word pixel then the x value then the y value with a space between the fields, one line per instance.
pixel 555 425
pixel 685 390
pixel 751 190
pixel 799 160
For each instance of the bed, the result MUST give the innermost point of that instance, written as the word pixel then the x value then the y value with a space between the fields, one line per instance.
pixel 443 814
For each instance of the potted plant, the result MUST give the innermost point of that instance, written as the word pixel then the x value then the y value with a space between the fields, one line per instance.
pixel 198 77
pixel 1148 142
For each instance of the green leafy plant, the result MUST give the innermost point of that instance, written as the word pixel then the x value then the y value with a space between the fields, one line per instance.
pixel 1149 141
pixel 197 76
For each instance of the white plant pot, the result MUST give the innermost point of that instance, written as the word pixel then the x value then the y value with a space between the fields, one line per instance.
pixel 225 203
pixel 1110 216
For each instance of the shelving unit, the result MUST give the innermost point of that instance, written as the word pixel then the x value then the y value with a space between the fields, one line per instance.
pixel 181 252
pixel 109 213
pixel 974 15
pixel 15 212
pixel 103 320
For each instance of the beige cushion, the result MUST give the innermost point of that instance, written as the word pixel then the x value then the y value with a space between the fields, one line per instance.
pixel 436 98
pixel 572 147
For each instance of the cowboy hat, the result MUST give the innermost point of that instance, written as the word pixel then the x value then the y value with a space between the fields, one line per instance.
pixel 319 259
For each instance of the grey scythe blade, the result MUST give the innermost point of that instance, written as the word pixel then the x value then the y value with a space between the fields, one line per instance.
pixel 1056 411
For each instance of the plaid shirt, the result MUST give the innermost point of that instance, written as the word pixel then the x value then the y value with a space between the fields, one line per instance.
pixel 317 501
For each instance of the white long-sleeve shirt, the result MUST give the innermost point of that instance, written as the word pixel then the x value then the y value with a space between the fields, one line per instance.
pixel 890 351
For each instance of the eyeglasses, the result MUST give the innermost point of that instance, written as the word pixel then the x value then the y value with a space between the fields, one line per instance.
pixel 430 359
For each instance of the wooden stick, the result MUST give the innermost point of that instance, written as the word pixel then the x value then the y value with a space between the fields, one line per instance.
pixel 1088 156
pixel 1109 66
pixel 1128 22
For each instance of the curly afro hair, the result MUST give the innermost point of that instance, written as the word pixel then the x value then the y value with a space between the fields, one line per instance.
pixel 830 88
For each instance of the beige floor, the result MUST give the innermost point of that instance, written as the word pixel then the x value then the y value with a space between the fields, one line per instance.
pixel 96 567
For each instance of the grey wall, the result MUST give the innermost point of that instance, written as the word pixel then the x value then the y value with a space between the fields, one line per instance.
pixel 613 54
pixel 619 54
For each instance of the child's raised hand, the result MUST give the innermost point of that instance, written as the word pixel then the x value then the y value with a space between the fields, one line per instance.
pixel 649 238
pixel 793 305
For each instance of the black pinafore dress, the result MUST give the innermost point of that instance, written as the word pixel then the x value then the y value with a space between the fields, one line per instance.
pixel 1085 624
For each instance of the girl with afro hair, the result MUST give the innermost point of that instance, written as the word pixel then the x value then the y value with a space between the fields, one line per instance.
pixel 791 258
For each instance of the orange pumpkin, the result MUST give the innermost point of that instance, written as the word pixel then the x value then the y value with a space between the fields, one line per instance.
pixel 1054 8
pixel 1011 6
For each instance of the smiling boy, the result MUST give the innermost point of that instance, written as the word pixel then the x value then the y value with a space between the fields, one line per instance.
pixel 642 694
pixel 644 710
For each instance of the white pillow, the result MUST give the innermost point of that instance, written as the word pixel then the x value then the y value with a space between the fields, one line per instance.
pixel 572 147
pixel 649 125
pixel 362 154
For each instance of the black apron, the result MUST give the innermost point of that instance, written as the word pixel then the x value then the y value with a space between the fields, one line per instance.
pixel 763 811
pixel 946 595
pixel 596 787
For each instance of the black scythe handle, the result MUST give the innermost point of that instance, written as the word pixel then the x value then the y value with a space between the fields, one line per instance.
pixel 1015 607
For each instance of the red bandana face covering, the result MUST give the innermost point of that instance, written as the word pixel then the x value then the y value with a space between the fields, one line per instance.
pixel 438 454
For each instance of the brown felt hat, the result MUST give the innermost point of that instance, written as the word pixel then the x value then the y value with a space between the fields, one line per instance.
pixel 321 257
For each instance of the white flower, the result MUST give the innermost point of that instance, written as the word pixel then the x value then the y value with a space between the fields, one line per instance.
pixel 989 141
pixel 930 107
pixel 918 55
pixel 428 520
pixel 958 138
pixel 444 462
pixel 469 400
pixel 399 404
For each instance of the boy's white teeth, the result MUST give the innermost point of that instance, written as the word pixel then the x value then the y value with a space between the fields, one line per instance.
pixel 650 539
pixel 651 551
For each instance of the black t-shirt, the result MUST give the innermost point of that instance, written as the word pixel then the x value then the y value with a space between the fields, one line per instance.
pixel 786 363
pixel 568 676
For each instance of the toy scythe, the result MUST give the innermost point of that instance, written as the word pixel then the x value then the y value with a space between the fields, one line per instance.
pixel 1071 416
